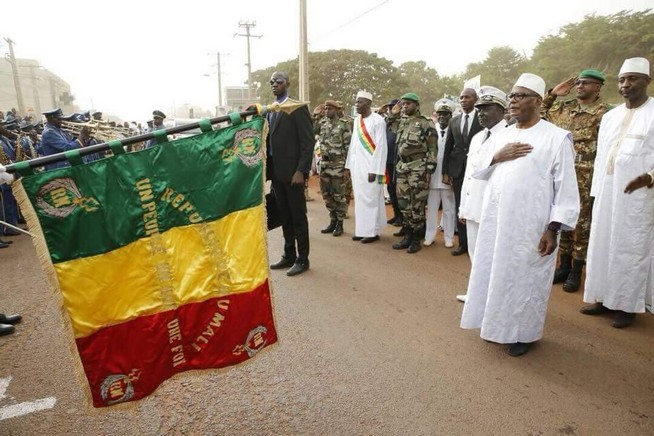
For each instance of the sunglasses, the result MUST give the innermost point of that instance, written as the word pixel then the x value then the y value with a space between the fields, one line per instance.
pixel 277 81
pixel 586 82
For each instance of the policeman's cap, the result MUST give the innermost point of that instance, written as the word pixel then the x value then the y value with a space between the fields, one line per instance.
pixel 411 96
pixel 158 114
pixel 54 113
pixel 593 74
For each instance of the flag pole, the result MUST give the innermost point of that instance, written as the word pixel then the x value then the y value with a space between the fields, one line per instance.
pixel 235 117
pixel 18 229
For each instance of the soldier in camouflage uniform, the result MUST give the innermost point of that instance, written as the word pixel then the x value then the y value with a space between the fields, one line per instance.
pixel 416 149
pixel 581 116
pixel 335 134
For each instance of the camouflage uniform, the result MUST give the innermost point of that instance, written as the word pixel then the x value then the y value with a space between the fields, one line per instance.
pixel 584 123
pixel 335 138
pixel 416 161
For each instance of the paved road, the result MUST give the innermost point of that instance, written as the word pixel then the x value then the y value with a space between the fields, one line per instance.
pixel 369 344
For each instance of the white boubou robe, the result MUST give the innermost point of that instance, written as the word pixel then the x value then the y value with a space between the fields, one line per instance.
pixel 620 270
pixel 480 153
pixel 510 282
pixel 367 154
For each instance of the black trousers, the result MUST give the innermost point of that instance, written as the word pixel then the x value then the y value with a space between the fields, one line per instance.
pixel 457 184
pixel 392 190
pixel 292 208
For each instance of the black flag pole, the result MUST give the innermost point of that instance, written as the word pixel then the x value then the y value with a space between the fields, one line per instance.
pixel 234 118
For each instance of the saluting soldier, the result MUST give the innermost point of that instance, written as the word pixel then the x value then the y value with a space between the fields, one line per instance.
pixel 416 150
pixel 335 135
pixel 581 116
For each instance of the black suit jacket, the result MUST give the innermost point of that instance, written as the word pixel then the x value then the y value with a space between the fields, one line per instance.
pixel 456 149
pixel 292 141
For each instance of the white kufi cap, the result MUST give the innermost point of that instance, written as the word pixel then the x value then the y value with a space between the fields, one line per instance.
pixel 533 82
pixel 364 94
pixel 635 65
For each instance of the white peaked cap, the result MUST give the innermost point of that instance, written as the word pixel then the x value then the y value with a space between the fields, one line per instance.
pixel 635 65
pixel 444 104
pixel 364 94
pixel 490 94
pixel 533 82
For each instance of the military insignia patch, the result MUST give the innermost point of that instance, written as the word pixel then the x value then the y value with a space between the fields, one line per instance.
pixel 244 147
pixel 60 197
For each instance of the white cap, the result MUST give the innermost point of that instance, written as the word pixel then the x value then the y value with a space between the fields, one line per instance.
pixel 490 95
pixel 444 105
pixel 635 65
pixel 533 82
pixel 364 94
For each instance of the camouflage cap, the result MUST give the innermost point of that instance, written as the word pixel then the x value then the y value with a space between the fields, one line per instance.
pixel 333 103
pixel 593 74
pixel 411 96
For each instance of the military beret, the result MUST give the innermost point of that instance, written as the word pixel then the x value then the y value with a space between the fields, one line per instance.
pixel 54 113
pixel 333 103
pixel 158 114
pixel 593 74
pixel 411 96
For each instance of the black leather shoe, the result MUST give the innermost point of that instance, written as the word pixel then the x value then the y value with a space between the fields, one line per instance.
pixel 594 309
pixel 357 238
pixel 6 329
pixel 8 241
pixel 338 230
pixel 4 245
pixel 392 220
pixel 623 319
pixel 370 239
pixel 10 319
pixel 12 232
pixel 298 268
pixel 518 349
pixel 459 251
pixel 285 262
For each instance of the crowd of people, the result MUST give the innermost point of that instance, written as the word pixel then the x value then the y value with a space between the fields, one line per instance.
pixel 518 175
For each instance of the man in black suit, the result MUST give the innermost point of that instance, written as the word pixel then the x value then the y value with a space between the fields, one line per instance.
pixel 460 131
pixel 290 146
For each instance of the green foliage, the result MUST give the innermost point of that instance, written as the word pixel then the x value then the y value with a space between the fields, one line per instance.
pixel 601 42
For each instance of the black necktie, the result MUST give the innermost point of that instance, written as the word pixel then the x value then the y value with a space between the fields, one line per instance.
pixel 465 128
pixel 486 136
pixel 442 133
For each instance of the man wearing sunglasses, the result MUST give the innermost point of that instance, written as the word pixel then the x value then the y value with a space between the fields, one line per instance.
pixel 531 194
pixel 290 145
pixel 581 116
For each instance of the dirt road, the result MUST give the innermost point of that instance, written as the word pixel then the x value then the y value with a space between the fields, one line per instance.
pixel 369 344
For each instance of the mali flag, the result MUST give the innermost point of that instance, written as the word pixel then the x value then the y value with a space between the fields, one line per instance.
pixel 159 256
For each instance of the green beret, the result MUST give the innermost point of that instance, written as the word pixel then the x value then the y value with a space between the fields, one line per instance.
pixel 411 96
pixel 593 74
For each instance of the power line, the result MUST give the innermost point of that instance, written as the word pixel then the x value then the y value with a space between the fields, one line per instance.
pixel 351 21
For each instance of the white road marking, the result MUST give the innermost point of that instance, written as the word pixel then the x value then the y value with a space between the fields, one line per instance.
pixel 22 408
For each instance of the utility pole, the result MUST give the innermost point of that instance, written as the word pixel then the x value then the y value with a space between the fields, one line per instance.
pixel 220 84
pixel 304 53
pixel 247 25
pixel 35 90
pixel 14 68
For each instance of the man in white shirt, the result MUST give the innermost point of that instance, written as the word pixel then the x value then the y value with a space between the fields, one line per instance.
pixel 439 192
pixel 491 107
pixel 620 271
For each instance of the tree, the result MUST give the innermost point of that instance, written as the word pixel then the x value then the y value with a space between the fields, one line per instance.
pixel 501 68
pixel 600 42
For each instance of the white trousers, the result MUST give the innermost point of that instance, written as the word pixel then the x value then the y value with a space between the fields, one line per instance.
pixel 472 228
pixel 436 196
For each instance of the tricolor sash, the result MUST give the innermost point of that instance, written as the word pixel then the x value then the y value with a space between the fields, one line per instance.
pixel 369 146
